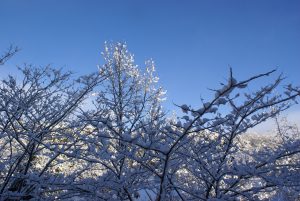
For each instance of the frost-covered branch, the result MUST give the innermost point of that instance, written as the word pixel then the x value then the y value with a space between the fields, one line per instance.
pixel 105 136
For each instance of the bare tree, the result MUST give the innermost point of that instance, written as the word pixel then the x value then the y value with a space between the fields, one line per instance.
pixel 8 54
pixel 126 118
pixel 205 159
pixel 37 127
pixel 105 136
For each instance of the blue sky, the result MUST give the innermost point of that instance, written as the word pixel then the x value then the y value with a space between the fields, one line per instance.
pixel 193 43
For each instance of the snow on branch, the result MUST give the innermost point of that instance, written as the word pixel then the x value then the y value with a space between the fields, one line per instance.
pixel 106 136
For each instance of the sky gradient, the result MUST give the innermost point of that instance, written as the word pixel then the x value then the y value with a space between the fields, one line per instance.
pixel 193 43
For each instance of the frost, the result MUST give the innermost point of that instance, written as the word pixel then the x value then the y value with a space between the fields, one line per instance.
pixel 187 118
pixel 206 105
pixel 213 110
pixel 185 108
pixel 106 136
pixel 221 101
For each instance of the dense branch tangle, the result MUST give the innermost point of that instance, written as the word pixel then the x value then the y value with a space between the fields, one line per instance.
pixel 105 136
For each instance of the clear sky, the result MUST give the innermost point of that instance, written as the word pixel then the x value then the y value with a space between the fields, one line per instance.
pixel 193 43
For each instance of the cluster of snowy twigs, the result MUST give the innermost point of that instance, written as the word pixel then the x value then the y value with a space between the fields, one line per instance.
pixel 105 136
